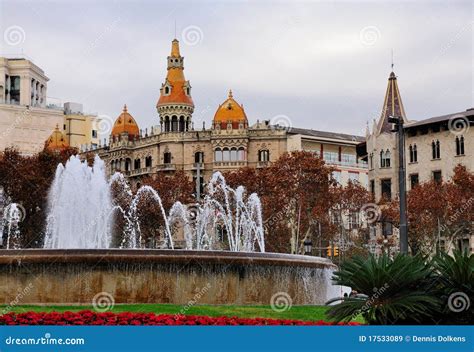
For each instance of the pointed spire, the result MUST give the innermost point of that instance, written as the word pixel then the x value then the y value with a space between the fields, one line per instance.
pixel 392 105
pixel 125 108
pixel 175 48
pixel 230 93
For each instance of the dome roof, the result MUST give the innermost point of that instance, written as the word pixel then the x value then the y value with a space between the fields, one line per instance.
pixel 125 123
pixel 175 90
pixel 230 111
pixel 57 141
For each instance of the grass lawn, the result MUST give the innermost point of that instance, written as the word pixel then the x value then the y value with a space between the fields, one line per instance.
pixel 296 312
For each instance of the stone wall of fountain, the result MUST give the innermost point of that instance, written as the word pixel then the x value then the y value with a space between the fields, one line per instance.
pixel 163 276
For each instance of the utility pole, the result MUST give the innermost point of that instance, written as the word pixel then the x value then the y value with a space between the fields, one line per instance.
pixel 402 187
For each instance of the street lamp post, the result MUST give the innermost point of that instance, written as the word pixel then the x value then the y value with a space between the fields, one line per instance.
pixel 308 246
pixel 398 121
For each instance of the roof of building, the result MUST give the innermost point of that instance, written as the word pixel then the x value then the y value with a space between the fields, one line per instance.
pixel 57 141
pixel 392 106
pixel 469 113
pixel 125 123
pixel 230 111
pixel 176 80
pixel 328 135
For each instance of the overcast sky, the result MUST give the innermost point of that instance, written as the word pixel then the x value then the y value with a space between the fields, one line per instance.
pixel 322 65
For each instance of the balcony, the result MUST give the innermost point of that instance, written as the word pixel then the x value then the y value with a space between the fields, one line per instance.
pixel 201 166
pixel 262 164
pixel 230 164
pixel 166 167
pixel 359 165
pixel 141 171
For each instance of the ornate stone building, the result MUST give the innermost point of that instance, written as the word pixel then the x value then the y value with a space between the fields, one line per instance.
pixel 230 143
pixel 433 147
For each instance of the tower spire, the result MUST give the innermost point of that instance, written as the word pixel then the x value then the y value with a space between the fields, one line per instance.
pixel 392 105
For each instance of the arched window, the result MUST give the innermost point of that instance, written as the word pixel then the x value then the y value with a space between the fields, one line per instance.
pixel 436 149
pixel 137 164
pixel 181 123
pixel 415 154
pixel 241 154
pixel 199 157
pixel 128 164
pixel 167 123
pixel 411 153
pixel 167 90
pixel 167 158
pixel 459 145
pixel 387 158
pixel 174 123
pixel 233 154
pixel 226 154
pixel 218 155
pixel 263 155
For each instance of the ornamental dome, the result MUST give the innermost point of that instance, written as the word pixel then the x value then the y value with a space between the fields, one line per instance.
pixel 230 112
pixel 56 142
pixel 125 123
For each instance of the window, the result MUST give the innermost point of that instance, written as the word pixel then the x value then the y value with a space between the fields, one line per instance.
pixel 233 154
pixel 436 150
pixel 437 176
pixel 336 175
pixel 413 154
pixel 226 154
pixel 414 180
pixel 148 161
pixel 372 187
pixel 331 156
pixel 167 90
pixel 218 155
pixel 199 157
pixel 353 177
pixel 386 186
pixel 459 145
pixel 174 123
pixel 385 158
pixel 353 220
pixel 94 133
pixel 263 155
pixel 241 154
pixel 167 158
pixel 15 89
pixel 64 127
pixel 348 158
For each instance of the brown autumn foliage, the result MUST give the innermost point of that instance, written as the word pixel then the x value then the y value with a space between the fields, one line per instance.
pixel 26 180
pixel 437 209
pixel 297 192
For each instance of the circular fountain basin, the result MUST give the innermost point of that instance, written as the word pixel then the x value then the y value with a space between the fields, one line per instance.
pixel 76 276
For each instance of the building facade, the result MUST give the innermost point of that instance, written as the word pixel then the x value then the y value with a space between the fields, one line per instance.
pixel 433 147
pixel 230 142
pixel 26 121
pixel 80 128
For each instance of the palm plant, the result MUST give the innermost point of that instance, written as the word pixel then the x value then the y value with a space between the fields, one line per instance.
pixel 454 284
pixel 388 291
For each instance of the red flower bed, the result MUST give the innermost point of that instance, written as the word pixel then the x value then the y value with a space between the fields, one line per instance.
pixel 87 317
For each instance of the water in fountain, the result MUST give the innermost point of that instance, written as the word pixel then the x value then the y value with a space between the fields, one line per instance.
pixel 12 215
pixel 80 206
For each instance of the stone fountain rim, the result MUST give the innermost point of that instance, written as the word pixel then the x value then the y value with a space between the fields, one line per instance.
pixel 114 256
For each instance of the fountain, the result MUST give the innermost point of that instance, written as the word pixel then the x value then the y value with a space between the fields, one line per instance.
pixel 224 249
